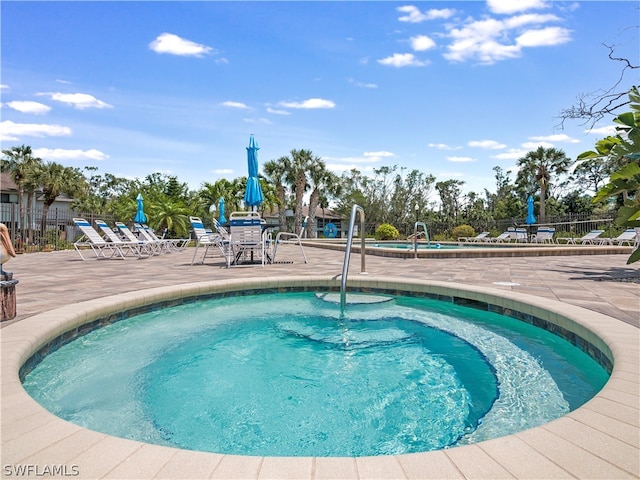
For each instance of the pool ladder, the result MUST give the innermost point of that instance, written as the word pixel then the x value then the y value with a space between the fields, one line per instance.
pixel 347 253
pixel 416 234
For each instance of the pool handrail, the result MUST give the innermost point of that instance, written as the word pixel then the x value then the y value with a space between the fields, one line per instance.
pixel 415 237
pixel 347 252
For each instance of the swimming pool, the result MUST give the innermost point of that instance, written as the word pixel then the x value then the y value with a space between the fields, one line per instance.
pixel 158 419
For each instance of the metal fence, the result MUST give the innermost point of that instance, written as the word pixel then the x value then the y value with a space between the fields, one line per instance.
pixel 27 233
pixel 60 231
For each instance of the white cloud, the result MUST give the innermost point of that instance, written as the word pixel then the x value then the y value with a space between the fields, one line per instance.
pixel 381 154
pixel 603 131
pixel 561 137
pixel 4 87
pixel 443 146
pixel 461 159
pixel 420 43
pixel 513 6
pixel 222 171
pixel 402 60
pixel 10 131
pixel 491 40
pixel 261 121
pixel 174 45
pixel 534 145
pixel 511 154
pixel 64 154
pixel 339 167
pixel 77 100
pixel 26 106
pixel 544 37
pixel 311 103
pixel 277 112
pixel 362 84
pixel 414 15
pixel 234 104
pixel 488 144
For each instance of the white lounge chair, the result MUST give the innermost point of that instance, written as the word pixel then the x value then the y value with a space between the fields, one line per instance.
pixel 127 247
pixel 590 238
pixel 503 237
pixel 543 235
pixel 206 239
pixel 627 237
pixel 92 239
pixel 481 237
pixel 150 248
pixel 174 244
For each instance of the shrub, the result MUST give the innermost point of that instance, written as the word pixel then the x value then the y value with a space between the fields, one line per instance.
pixel 386 231
pixel 463 231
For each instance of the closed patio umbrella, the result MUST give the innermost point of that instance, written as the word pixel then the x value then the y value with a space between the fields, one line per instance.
pixel 140 216
pixel 221 217
pixel 531 218
pixel 253 195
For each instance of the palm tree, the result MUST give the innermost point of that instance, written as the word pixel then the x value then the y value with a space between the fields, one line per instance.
pixel 301 161
pixel 537 168
pixel 22 166
pixel 55 180
pixel 322 181
pixel 276 172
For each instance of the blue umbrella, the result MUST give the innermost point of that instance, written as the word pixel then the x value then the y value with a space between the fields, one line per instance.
pixel 140 216
pixel 221 217
pixel 531 218
pixel 253 194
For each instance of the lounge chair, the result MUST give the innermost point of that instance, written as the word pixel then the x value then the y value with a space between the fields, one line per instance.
pixel 543 235
pixel 92 239
pixel 503 237
pixel 481 237
pixel 150 248
pixel 174 244
pixel 127 247
pixel 206 238
pixel 590 238
pixel 627 237
pixel 519 235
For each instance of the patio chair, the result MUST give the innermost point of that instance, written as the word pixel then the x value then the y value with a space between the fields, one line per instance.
pixel 481 237
pixel 127 247
pixel 206 238
pixel 174 244
pixel 92 239
pixel 543 235
pixel 247 242
pixel 150 248
pixel 627 237
pixel 590 238
pixel 503 237
pixel 519 235
pixel 283 243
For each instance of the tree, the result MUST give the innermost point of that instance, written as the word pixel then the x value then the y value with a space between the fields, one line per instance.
pixel 300 162
pixel 623 148
pixel 450 192
pixel 22 166
pixel 276 173
pixel 321 180
pixel 55 180
pixel 539 167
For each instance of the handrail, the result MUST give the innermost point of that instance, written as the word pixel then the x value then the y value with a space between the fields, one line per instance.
pixel 347 253
pixel 415 237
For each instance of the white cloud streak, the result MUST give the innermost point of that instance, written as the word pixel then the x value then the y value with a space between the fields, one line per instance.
pixel 26 106
pixel 402 60
pixel 11 131
pixel 310 104
pixel 67 154
pixel 79 101
pixel 169 43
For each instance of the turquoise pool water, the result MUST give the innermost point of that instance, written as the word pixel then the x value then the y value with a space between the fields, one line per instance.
pixel 288 375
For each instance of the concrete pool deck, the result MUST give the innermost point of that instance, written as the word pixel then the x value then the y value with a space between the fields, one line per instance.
pixel 599 440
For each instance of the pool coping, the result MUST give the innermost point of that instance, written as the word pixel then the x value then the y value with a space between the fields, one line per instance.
pixel 600 439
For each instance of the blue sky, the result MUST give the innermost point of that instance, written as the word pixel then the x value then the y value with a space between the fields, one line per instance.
pixel 450 88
